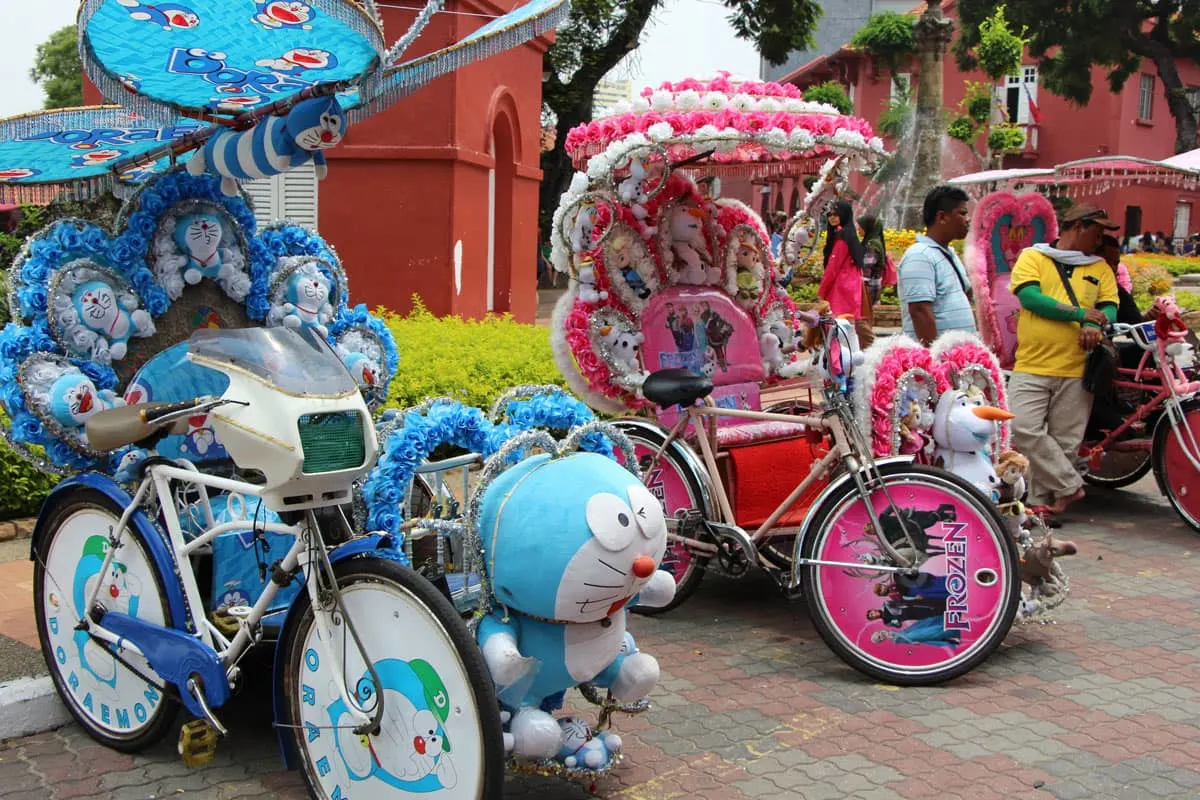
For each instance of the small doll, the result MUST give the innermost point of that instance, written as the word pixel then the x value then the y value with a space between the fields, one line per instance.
pixel 912 440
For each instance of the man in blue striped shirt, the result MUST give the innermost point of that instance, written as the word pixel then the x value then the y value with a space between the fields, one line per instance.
pixel 934 289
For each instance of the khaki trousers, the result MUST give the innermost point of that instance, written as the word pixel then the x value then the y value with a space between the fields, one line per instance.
pixel 1051 418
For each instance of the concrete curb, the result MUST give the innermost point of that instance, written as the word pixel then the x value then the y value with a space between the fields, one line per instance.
pixel 30 706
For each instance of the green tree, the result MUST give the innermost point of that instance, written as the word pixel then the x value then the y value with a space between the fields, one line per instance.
pixel 599 33
pixel 830 92
pixel 1069 38
pixel 998 53
pixel 58 70
pixel 889 39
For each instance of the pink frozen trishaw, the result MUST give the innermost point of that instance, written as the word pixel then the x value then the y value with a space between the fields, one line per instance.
pixel 674 320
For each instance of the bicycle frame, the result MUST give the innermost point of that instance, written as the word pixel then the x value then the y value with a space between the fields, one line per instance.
pixel 308 553
pixel 844 450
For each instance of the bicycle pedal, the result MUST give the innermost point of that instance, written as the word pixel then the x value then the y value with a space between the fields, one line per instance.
pixel 225 622
pixel 198 743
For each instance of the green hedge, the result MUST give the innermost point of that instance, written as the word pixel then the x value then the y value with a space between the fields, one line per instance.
pixel 24 487
pixel 474 361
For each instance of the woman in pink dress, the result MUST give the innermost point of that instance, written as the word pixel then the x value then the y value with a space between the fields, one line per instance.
pixel 842 284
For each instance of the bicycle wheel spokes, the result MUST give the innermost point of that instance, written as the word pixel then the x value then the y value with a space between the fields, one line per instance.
pixel 440 725
pixel 912 626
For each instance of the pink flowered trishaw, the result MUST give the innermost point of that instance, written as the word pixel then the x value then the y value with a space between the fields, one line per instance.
pixel 674 315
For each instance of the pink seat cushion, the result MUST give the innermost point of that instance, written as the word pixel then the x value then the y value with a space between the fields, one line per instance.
pixel 750 432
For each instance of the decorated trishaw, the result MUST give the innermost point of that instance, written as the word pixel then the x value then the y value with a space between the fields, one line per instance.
pixel 1155 383
pixel 674 318
pixel 210 396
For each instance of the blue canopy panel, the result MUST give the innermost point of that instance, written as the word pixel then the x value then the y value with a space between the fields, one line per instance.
pixel 503 33
pixel 74 151
pixel 223 56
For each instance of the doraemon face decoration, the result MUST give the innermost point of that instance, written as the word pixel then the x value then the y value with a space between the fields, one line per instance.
pixel 98 308
pixel 363 369
pixel 74 398
pixel 284 14
pixel 572 539
pixel 317 124
pixel 198 237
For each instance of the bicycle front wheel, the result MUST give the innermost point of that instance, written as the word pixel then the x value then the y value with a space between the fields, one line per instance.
pixel 912 630
pixel 1175 454
pixel 440 730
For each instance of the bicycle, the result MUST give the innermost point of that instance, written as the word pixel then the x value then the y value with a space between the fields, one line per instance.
pixel 1162 433
pixel 128 637
pixel 900 563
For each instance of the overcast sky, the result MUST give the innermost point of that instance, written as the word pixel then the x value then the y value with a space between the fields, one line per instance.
pixel 671 47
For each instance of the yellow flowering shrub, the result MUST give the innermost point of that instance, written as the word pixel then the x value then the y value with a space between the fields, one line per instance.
pixel 1148 277
pixel 473 361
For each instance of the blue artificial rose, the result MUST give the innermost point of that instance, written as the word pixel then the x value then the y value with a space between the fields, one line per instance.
pixel 13 343
pixel 384 519
pixel 153 204
pixel 40 339
pixel 69 237
pixel 95 240
pixel 37 299
pixel 144 225
pixel 155 300
pixel 47 250
pixel 35 270
pixel 297 239
pixel 28 429
pixel 257 307
pixel 13 398
pixel 166 189
pixel 389 493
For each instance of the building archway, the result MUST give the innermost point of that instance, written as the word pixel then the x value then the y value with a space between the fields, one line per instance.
pixel 503 147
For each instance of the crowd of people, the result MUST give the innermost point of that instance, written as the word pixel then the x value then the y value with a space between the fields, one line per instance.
pixel 1069 291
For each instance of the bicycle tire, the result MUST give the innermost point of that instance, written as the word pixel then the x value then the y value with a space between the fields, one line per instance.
pixel 1120 469
pixel 1177 477
pixel 70 526
pixel 988 569
pixel 685 565
pixel 421 688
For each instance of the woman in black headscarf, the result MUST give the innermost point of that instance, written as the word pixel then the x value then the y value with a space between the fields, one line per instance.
pixel 842 284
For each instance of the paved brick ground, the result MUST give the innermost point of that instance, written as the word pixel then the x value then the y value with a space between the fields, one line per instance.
pixel 1104 702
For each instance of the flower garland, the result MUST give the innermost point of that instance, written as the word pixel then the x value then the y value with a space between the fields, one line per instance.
pixel 960 356
pixel 445 421
pixel 890 370
pixel 285 240
pixel 359 316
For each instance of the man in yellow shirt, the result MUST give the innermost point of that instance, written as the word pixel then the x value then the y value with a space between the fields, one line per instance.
pixel 1056 330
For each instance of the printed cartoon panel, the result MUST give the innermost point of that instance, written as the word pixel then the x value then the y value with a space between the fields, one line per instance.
pixel 703 331
pixel 170 377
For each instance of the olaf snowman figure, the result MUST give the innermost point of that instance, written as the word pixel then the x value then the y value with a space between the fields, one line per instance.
pixel 963 430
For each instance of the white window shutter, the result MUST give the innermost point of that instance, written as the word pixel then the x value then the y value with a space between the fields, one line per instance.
pixel 262 195
pixel 290 197
pixel 298 190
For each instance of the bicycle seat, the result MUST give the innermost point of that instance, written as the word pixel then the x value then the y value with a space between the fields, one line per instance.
pixel 116 427
pixel 671 387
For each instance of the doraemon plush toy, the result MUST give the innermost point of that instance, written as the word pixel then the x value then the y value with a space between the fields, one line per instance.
pixel 363 369
pixel 273 146
pixel 198 237
pixel 963 428
pixel 571 541
pixel 583 748
pixel 306 300
pixel 73 398
pixel 111 317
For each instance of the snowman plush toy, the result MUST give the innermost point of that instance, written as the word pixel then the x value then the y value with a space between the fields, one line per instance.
pixel 570 541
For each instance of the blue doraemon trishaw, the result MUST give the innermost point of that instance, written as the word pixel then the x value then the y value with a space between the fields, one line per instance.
pixel 206 390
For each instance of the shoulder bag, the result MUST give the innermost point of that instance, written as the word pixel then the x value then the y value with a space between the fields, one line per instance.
pixel 1102 362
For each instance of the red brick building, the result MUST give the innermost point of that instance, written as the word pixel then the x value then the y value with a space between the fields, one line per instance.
pixel 1135 122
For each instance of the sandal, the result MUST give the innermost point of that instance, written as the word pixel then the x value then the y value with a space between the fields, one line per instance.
pixel 1046 515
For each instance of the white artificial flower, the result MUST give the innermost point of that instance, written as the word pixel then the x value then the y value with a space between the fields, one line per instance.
pixel 688 100
pixel 769 105
pixel 640 105
pixel 776 138
pixel 742 102
pixel 623 107
pixel 876 144
pixel 801 139
pixel 707 132
pixel 715 101
pixel 793 105
pixel 660 131
pixel 662 100
pixel 730 138
pixel 579 183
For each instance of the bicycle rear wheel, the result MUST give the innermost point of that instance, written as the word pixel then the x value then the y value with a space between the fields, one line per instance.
pixel 1119 468
pixel 441 720
pixel 115 704
pixel 1178 478
pixel 675 482
pixel 922 629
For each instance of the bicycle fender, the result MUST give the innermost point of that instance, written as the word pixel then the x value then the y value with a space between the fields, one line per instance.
pixel 372 545
pixel 151 538
pixel 834 486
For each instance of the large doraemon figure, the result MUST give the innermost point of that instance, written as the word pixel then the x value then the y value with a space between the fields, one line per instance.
pixel 118 591
pixel 571 542
pixel 114 317
pixel 198 237
pixel 273 146
pixel 73 398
